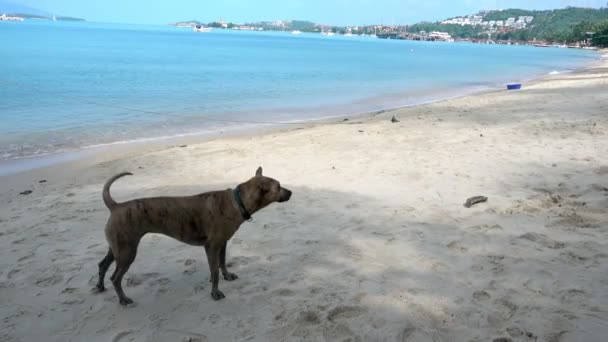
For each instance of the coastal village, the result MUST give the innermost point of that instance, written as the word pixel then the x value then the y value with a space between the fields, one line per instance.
pixel 493 25
pixel 486 27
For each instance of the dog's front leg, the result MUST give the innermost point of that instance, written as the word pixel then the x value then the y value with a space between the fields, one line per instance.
pixel 213 256
pixel 227 275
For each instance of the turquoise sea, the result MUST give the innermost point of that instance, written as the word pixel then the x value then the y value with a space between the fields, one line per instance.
pixel 69 86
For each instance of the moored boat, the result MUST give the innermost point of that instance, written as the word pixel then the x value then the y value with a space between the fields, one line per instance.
pixel 199 28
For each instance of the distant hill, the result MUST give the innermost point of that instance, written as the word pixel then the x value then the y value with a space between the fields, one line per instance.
pixel 188 23
pixel 560 25
pixel 23 11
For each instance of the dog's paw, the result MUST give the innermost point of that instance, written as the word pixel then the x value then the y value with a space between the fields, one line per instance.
pixel 98 289
pixel 230 276
pixel 124 301
pixel 217 294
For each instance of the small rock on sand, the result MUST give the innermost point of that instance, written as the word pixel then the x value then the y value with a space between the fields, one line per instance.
pixel 475 200
pixel 394 120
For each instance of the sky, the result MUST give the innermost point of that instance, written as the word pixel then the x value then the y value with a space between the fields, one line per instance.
pixel 336 12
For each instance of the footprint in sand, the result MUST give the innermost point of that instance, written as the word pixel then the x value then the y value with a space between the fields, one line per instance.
pixel 485 227
pixel 410 333
pixel 340 332
pixel 278 256
pixel 520 335
pixel 93 245
pixel 496 261
pixel 135 280
pixel 543 240
pixel 199 288
pixel 284 292
pixel 160 281
pixel 309 317
pixel 73 301
pixel 572 295
pixel 345 312
pixel 190 270
pixel 481 295
pixel 23 258
pixel 457 247
pixel 574 259
pixel 49 281
pixel 121 335
pixel 241 261
pixel 602 170
pixel 194 339
pixel 572 221
pixel 506 309
pixel 69 290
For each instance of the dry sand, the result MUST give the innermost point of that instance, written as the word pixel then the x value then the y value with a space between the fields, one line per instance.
pixel 375 244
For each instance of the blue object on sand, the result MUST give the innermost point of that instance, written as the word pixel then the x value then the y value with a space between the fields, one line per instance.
pixel 514 86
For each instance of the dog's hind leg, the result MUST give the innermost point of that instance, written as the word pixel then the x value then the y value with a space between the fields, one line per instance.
pixel 213 256
pixel 227 275
pixel 124 259
pixel 103 268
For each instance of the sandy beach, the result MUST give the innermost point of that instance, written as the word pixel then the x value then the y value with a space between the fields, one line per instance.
pixel 375 244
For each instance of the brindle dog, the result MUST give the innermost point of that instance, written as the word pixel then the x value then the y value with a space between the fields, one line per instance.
pixel 209 220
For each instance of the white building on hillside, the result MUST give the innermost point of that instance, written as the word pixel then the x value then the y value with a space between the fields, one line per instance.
pixel 441 36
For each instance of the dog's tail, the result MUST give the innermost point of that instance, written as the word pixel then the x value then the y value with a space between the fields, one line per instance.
pixel 107 199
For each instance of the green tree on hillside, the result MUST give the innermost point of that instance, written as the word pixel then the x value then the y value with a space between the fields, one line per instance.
pixel 601 38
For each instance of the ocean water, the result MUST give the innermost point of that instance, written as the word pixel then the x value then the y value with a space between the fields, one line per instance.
pixel 70 86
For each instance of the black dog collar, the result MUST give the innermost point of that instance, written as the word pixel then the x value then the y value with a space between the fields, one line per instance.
pixel 239 201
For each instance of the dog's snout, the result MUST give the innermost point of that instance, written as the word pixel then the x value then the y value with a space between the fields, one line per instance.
pixel 285 195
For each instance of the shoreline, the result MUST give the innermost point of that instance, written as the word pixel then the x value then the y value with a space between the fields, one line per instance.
pixel 29 163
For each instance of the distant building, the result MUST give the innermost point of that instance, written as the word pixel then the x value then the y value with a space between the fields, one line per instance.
pixel 245 28
pixel 477 20
pixel 440 36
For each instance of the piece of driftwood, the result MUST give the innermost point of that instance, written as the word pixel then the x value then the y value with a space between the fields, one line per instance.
pixel 475 200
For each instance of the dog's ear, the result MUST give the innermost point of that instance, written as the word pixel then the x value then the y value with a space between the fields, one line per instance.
pixel 258 173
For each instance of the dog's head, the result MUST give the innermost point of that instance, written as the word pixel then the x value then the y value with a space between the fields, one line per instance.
pixel 262 191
